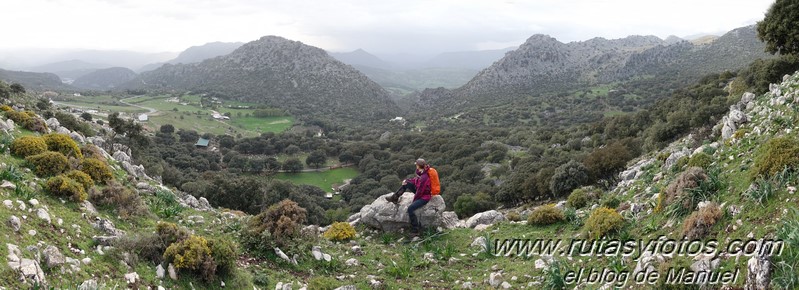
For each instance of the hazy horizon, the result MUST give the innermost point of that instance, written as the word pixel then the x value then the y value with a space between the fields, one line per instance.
pixel 384 27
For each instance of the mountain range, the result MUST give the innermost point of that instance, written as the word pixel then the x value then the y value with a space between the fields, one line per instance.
pixel 278 72
pixel 105 79
pixel 544 64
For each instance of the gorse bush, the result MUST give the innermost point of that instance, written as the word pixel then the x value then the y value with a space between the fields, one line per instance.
pixel 48 163
pixel 699 223
pixel 27 120
pixel 28 145
pixel 777 154
pixel 62 143
pixel 277 226
pixel 81 177
pixel 97 169
pixel 546 215
pixel 126 202
pixel 65 187
pixel 190 253
pixel 92 151
pixel 603 221
pixel 340 231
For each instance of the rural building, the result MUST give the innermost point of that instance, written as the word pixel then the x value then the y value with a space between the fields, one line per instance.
pixel 202 142
pixel 143 118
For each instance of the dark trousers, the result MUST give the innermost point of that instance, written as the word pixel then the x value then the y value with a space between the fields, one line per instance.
pixel 415 225
pixel 405 188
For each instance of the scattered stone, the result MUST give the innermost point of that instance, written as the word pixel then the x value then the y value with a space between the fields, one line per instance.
pixel 86 261
pixel 106 226
pixel 479 242
pixel 284 256
pixel 8 185
pixel 8 204
pixel 15 223
pixel 540 264
pixel 430 257
pixel 172 273
pixel 348 287
pixel 21 205
pixel 316 252
pixel 203 204
pixel 29 269
pixel 351 262
pixel 89 285
pixel 131 278
pixel 505 285
pixel 481 228
pixel 43 214
pixel 32 232
pixel 495 279
pixel 160 272
pixel 357 250
pixel 52 257
pixel 88 207
pixel 222 284
pixel 467 285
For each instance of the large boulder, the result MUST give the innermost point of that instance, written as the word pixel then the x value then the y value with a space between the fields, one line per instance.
pixel 485 218
pixel 387 216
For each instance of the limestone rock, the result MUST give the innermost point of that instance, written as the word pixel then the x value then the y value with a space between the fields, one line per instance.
pixel 131 278
pixel 495 279
pixel 53 257
pixel 43 214
pixel 8 185
pixel 89 285
pixel 29 269
pixel 485 218
pixel 106 226
pixel 120 157
pixel 759 273
pixel 160 272
pixel 15 223
pixel 88 207
pixel 351 262
pixel 172 273
pixel 479 242
pixel 52 123
pixel 387 216
pixel 77 137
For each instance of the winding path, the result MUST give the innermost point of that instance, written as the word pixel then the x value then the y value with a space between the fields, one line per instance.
pixel 150 110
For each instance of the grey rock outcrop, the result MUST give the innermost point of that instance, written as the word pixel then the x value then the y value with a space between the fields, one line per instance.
pixel 53 257
pixel 29 269
pixel 759 273
pixel 732 121
pixel 387 216
pixel 485 218
pixel 15 223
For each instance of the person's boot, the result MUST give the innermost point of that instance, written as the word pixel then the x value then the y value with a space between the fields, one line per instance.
pixel 394 198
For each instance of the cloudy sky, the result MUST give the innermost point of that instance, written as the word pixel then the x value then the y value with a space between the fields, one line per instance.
pixel 379 26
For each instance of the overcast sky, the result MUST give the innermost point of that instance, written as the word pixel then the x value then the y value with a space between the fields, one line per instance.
pixel 378 26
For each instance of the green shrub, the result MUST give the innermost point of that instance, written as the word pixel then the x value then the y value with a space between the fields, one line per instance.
pixel 340 231
pixel 467 205
pixel 699 223
pixel 546 215
pixel 62 143
pixel 579 198
pixel 28 145
pixel 126 202
pixel 66 187
pixel 81 177
pixel 611 201
pixel 701 160
pixel 224 252
pixel 776 155
pixel 170 233
pixel 323 283
pixel 603 221
pixel 48 163
pixel 513 216
pixel 276 226
pixel 193 254
pixel 97 169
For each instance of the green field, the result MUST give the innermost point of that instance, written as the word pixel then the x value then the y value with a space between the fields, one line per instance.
pixel 323 179
pixel 188 114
